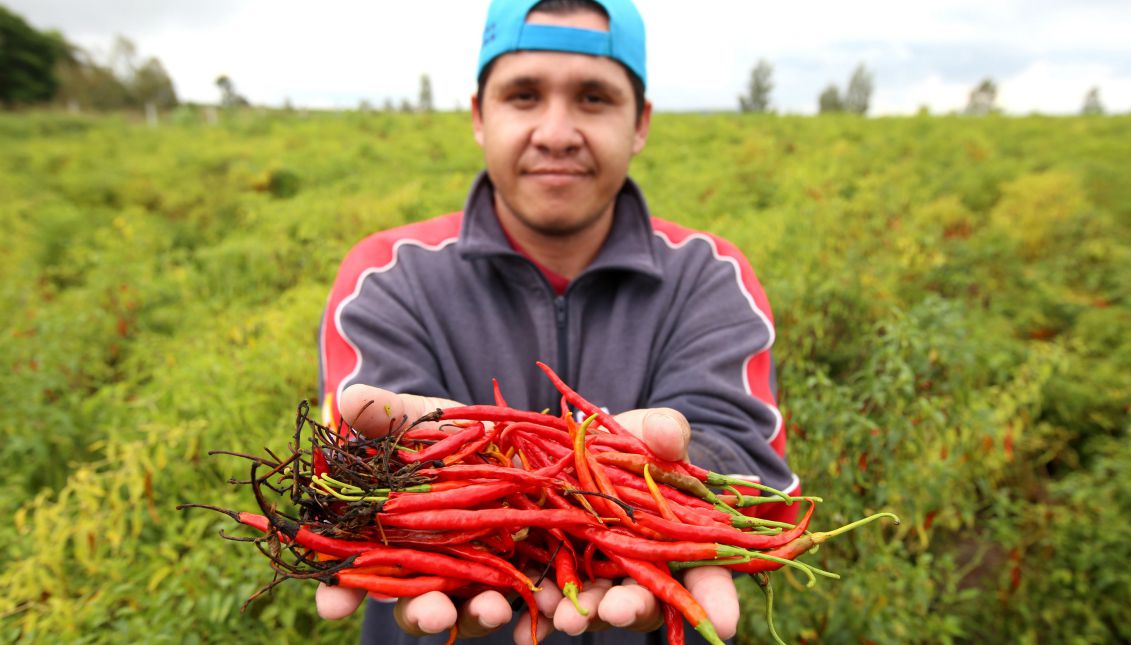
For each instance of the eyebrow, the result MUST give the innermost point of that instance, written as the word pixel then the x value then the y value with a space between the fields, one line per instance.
pixel 587 85
pixel 597 85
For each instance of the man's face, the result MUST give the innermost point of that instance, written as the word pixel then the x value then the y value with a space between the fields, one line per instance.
pixel 558 131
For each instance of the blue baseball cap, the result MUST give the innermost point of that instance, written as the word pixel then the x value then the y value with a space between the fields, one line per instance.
pixel 508 31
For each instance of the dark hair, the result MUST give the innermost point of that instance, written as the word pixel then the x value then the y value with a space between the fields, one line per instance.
pixel 562 7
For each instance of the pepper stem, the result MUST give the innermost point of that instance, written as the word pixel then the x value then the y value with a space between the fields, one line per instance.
pixel 570 591
pixel 707 631
pixel 763 580
pixel 821 537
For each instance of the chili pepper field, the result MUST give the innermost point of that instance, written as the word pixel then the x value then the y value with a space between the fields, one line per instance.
pixel 952 297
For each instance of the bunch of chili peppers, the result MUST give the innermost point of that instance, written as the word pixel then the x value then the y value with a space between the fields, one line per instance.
pixel 488 492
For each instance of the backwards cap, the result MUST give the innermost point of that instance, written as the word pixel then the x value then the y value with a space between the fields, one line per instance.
pixel 508 31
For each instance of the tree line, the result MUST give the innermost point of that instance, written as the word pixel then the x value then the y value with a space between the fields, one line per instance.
pixel 39 67
pixel 857 95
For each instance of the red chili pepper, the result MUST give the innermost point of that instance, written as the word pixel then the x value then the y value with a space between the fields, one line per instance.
pixel 499 400
pixel 464 496
pixel 587 560
pixel 724 535
pixel 662 505
pixel 581 467
pixel 605 569
pixel 291 532
pixel 560 437
pixel 396 587
pixel 799 546
pixel 628 480
pixel 426 434
pixel 565 574
pixel 613 541
pixel 443 448
pixel 588 409
pixel 490 518
pixel 473 447
pixel 661 472
pixel 698 516
pixel 535 553
pixel 318 459
pixel 409 537
pixel 492 413
pixel 673 620
pixel 445 565
pixel 472 554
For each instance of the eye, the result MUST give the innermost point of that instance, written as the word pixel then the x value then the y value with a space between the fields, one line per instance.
pixel 522 98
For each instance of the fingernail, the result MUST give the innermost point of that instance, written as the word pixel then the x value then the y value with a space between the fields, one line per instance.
pixel 661 422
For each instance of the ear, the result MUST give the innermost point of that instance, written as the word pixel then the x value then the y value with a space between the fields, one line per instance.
pixel 477 119
pixel 643 126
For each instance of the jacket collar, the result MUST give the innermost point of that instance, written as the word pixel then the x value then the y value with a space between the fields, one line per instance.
pixel 628 247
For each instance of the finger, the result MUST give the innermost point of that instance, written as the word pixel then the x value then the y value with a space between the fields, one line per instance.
pixel 567 618
pixel 632 607
pixel 335 603
pixel 547 597
pixel 372 411
pixel 522 629
pixel 667 433
pixel 483 614
pixel 714 588
pixel 430 613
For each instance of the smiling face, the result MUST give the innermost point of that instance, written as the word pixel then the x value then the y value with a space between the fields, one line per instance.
pixel 558 131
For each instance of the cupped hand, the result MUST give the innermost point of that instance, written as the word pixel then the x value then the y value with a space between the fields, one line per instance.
pixel 628 605
pixel 373 411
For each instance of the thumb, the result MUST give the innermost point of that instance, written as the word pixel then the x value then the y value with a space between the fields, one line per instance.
pixel 335 603
pixel 667 434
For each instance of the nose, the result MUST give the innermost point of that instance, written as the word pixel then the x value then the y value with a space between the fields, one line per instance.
pixel 556 132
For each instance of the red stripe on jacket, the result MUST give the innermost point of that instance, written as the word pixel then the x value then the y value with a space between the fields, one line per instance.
pixel 378 252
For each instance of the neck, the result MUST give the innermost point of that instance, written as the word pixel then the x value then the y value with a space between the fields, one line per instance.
pixel 566 254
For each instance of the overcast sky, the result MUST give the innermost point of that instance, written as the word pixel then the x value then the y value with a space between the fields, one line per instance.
pixel 1043 54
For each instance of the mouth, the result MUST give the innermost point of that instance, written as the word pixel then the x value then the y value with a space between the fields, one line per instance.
pixel 557 176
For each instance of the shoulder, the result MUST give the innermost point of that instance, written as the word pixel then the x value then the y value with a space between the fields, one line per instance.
pixel 380 249
pixel 675 236
pixel 384 252
pixel 684 250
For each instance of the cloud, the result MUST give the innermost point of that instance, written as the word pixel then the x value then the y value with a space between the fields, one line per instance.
pixel 1059 88
pixel 336 54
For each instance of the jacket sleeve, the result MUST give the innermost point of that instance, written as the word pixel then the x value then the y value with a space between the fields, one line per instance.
pixel 715 366
pixel 370 331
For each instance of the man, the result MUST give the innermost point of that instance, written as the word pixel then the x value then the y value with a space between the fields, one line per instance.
pixel 555 258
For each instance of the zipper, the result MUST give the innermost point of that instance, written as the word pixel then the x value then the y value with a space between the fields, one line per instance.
pixel 560 318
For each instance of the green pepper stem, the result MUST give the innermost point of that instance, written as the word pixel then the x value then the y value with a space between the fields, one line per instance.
pixel 720 562
pixel 745 522
pixel 715 479
pixel 763 580
pixel 570 591
pixel 821 537
pixel 707 631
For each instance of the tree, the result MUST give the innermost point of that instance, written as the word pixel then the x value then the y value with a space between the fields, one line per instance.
pixel 859 93
pixel 151 85
pixel 85 83
pixel 27 61
pixel 983 99
pixel 757 98
pixel 830 101
pixel 424 103
pixel 1092 104
pixel 228 95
